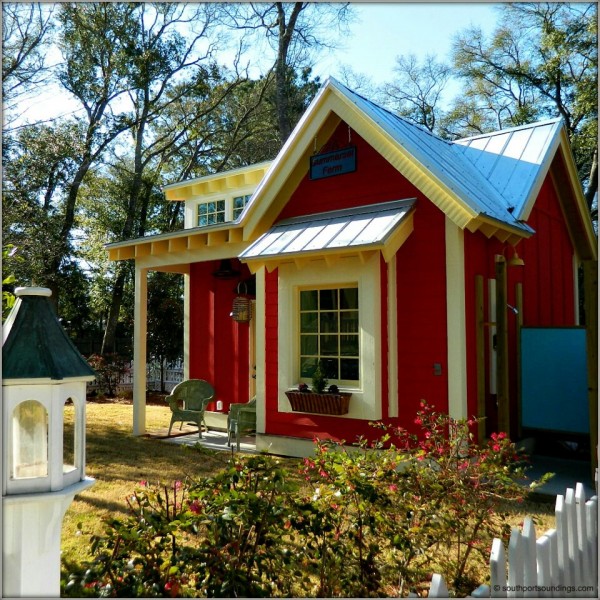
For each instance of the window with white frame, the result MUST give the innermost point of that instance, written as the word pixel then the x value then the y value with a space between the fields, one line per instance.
pixel 210 213
pixel 239 203
pixel 329 334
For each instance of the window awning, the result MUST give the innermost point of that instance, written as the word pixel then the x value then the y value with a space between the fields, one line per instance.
pixel 361 231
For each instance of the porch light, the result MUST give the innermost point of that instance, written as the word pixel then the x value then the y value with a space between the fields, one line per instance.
pixel 242 308
pixel 516 261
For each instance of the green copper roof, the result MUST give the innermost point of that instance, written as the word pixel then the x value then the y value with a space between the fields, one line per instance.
pixel 35 346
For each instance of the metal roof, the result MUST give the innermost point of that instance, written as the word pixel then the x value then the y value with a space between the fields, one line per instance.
pixel 362 227
pixel 35 346
pixel 460 168
pixel 512 160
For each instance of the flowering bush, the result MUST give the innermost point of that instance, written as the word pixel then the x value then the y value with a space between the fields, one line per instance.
pixel 372 520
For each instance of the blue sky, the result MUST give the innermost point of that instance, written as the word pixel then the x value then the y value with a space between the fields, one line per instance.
pixel 383 31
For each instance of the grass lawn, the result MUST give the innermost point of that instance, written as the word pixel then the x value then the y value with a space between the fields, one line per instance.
pixel 118 461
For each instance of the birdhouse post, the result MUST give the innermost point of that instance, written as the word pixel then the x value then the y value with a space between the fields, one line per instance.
pixel 42 374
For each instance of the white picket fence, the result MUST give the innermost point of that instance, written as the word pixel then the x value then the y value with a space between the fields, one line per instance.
pixel 173 376
pixel 561 563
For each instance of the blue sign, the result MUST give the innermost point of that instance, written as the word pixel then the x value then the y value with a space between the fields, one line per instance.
pixel 333 163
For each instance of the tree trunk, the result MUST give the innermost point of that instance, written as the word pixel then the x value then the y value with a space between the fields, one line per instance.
pixel 592 187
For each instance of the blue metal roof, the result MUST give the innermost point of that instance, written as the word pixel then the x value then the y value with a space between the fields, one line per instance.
pixel 492 173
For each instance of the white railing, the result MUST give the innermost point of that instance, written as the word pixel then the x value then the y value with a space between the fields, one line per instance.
pixel 561 563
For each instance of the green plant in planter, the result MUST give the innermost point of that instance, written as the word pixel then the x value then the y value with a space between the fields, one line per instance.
pixel 319 381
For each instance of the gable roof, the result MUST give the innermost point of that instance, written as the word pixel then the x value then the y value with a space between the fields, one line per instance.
pixel 485 183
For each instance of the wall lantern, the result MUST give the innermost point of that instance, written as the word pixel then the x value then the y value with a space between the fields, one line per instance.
pixel 43 378
pixel 242 307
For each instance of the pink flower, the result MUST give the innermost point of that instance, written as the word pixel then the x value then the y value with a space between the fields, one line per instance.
pixel 393 487
pixel 177 485
pixel 418 421
pixel 195 507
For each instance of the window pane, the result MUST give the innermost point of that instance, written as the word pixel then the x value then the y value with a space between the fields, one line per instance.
pixel 331 368
pixel 309 345
pixel 328 299
pixel 329 322
pixel 349 369
pixel 307 367
pixel 348 345
pixel 329 345
pixel 308 300
pixel 349 322
pixel 348 298
pixel 309 323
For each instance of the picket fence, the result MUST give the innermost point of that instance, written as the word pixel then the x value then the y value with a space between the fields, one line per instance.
pixel 173 375
pixel 563 563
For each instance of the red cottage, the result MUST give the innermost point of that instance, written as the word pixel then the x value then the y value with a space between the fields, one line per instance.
pixel 407 266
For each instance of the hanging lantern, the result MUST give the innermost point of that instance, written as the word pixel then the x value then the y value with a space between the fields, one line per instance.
pixel 242 308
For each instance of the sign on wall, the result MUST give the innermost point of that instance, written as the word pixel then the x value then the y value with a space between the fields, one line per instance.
pixel 337 162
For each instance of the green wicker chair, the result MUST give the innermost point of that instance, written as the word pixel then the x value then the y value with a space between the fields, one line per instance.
pixel 241 419
pixel 188 401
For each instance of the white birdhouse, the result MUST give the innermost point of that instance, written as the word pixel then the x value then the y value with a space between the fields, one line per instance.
pixel 43 377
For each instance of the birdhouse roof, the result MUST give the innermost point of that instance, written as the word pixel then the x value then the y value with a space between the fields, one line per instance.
pixel 35 345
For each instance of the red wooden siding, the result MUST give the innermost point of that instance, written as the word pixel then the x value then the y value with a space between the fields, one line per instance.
pixel 218 345
pixel 374 180
pixel 548 292
pixel 422 321
pixel 548 283
pixel 421 296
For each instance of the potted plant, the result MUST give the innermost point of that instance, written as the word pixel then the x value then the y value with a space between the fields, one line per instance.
pixel 317 400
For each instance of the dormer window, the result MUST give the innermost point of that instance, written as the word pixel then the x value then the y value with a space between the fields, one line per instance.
pixel 210 213
pixel 239 203
pixel 221 210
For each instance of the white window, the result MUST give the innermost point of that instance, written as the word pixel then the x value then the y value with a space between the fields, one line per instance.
pixel 210 213
pixel 339 310
pixel 329 334
pixel 239 203
pixel 30 440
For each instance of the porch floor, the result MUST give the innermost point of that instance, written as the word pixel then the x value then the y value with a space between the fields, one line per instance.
pixel 213 439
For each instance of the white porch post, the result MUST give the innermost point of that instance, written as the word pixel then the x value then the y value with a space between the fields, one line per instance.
pixel 456 321
pixel 392 301
pixel 140 326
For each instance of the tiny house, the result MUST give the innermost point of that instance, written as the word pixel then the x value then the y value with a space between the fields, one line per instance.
pixel 404 266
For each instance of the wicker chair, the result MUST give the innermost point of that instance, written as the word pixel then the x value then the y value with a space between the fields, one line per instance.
pixel 241 419
pixel 188 401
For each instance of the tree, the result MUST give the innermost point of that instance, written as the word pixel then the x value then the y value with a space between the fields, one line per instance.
pixel 25 31
pixel 542 61
pixel 165 68
pixel 295 32
pixel 165 319
pixel 417 90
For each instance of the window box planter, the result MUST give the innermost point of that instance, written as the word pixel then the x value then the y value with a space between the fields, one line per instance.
pixel 322 404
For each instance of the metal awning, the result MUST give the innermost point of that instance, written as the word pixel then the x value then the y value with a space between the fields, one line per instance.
pixel 360 230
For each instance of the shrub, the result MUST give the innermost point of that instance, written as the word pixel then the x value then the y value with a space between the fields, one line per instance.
pixel 372 520
pixel 109 370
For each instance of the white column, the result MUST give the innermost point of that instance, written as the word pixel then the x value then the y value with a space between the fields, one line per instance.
pixel 186 327
pixel 456 321
pixel 260 351
pixel 140 326
pixel 392 302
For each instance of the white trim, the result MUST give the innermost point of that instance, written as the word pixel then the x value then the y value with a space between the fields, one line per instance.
pixel 186 325
pixel 140 325
pixel 260 351
pixel 456 321
pixel 392 311
pixel 366 398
